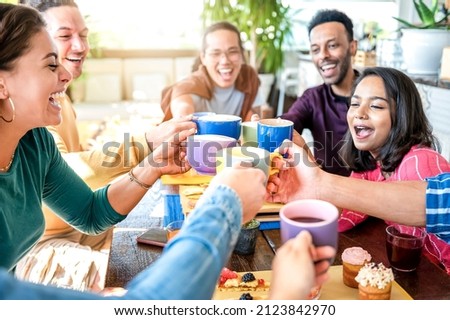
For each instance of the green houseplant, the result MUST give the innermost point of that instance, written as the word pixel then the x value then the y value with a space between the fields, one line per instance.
pixel 428 16
pixel 265 25
pixel 423 43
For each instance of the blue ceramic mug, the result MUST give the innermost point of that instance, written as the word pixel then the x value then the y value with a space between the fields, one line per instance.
pixel 197 115
pixel 272 132
pixel 221 124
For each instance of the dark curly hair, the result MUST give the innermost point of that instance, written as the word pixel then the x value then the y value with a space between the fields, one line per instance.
pixel 410 125
pixel 328 15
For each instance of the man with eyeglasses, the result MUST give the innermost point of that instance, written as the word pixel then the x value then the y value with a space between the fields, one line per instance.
pixel 223 82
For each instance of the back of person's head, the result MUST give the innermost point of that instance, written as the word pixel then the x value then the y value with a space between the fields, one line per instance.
pixel 331 15
pixel 18 25
pixel 44 5
pixel 409 123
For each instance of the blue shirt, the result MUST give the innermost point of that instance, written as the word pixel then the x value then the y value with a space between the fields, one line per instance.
pixel 438 206
pixel 188 268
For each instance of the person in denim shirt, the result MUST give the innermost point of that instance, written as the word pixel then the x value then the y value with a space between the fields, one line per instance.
pixel 191 264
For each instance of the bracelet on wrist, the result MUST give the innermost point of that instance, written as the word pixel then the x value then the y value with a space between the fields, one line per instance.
pixel 136 180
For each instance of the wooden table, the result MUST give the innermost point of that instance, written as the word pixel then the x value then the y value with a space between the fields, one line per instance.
pixel 127 257
pixel 428 282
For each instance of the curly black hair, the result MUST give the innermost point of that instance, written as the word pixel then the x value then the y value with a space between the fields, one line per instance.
pixel 331 15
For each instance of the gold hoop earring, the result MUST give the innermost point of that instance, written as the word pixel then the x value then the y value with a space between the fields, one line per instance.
pixel 13 112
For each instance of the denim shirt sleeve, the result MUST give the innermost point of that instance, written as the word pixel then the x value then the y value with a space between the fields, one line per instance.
pixel 190 265
pixel 188 268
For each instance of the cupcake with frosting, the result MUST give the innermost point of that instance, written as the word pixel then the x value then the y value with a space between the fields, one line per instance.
pixel 375 282
pixel 353 259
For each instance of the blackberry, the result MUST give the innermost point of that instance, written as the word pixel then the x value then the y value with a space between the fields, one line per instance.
pixel 246 296
pixel 248 277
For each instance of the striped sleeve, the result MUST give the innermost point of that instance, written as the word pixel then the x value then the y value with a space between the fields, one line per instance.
pixel 438 206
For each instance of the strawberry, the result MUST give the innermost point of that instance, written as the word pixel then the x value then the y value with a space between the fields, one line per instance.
pixel 226 274
pixel 229 274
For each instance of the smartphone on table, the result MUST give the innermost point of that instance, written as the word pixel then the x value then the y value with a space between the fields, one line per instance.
pixel 153 236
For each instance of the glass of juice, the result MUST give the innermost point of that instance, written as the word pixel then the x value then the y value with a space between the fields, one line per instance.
pixel 404 246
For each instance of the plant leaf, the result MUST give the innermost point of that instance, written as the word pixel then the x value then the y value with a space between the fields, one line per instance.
pixel 406 23
pixel 425 14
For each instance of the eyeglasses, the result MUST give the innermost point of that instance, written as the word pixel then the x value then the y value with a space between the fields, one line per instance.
pixel 232 54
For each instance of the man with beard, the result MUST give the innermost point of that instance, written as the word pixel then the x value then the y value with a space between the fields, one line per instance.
pixel 323 109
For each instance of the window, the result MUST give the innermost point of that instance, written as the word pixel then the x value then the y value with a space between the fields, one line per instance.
pixel 176 24
pixel 137 24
